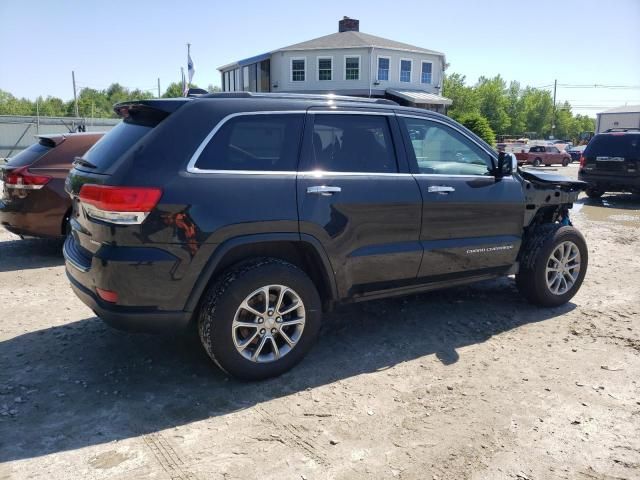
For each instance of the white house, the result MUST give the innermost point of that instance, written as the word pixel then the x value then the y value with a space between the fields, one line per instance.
pixel 348 62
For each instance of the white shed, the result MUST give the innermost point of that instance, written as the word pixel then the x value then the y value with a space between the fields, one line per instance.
pixel 627 116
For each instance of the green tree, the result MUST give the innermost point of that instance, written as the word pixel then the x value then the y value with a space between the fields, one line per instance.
pixel 515 109
pixel 465 99
pixel 480 126
pixel 538 111
pixel 174 90
pixel 494 102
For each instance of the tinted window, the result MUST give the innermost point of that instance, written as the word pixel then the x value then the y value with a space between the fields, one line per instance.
pixel 114 144
pixel 352 143
pixel 625 145
pixel 254 142
pixel 29 155
pixel 439 149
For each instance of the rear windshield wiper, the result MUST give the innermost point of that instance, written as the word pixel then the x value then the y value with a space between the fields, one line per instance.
pixel 83 162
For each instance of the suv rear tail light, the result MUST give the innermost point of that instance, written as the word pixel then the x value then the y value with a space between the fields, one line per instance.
pixel 121 205
pixel 582 161
pixel 22 178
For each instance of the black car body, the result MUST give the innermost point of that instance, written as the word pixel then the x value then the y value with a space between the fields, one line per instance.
pixel 611 162
pixel 356 194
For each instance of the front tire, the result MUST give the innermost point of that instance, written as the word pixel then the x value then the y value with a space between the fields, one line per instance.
pixel 260 318
pixel 566 162
pixel 553 265
pixel 537 162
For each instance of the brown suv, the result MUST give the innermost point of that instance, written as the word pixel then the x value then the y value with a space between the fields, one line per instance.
pixel 32 197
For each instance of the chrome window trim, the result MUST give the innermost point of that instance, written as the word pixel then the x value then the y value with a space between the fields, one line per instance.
pixel 349 112
pixel 191 166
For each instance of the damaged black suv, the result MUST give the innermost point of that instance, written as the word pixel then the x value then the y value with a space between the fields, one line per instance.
pixel 248 215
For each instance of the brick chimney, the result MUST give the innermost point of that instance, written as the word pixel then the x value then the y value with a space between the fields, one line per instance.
pixel 348 25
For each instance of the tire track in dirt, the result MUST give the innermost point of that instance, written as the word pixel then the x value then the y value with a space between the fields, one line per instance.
pixel 168 457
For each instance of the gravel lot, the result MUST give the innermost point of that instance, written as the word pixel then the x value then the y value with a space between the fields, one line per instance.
pixel 468 383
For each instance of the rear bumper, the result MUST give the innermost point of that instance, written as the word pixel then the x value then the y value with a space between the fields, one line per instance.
pixel 610 182
pixel 16 219
pixel 129 319
pixel 85 274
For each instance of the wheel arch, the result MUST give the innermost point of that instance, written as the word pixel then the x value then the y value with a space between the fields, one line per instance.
pixel 303 251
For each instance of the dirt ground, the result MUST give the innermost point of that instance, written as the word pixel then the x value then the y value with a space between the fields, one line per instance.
pixel 468 383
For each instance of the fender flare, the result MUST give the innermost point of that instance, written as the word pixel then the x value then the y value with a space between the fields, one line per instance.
pixel 219 253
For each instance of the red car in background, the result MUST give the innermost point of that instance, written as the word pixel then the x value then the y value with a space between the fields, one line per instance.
pixel 544 155
pixel 32 197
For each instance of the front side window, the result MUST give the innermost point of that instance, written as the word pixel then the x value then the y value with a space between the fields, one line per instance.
pixel 383 69
pixel 405 70
pixel 352 68
pixel 351 143
pixel 426 72
pixel 297 69
pixel 439 149
pixel 325 71
pixel 266 142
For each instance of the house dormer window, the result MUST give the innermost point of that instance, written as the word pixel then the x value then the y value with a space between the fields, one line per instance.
pixel 383 69
pixel 325 68
pixel 405 70
pixel 352 68
pixel 298 69
pixel 427 68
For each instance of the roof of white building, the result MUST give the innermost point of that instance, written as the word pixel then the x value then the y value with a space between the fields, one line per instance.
pixel 623 109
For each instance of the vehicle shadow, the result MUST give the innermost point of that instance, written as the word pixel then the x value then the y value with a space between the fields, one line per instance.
pixel 622 201
pixel 83 384
pixel 30 253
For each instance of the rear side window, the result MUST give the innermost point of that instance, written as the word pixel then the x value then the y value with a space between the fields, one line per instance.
pixel 29 155
pixel 352 143
pixel 264 142
pixel 625 145
pixel 114 144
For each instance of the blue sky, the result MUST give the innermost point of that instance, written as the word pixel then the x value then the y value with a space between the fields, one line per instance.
pixel 136 41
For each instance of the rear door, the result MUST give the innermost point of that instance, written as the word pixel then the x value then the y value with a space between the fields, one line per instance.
pixel 357 197
pixel 471 222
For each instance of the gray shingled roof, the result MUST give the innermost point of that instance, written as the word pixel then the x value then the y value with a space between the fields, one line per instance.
pixel 352 39
pixel 624 109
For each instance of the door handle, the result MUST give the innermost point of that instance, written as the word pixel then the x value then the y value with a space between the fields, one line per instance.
pixel 440 189
pixel 324 190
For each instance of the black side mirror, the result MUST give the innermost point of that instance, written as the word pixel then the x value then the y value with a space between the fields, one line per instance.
pixel 505 167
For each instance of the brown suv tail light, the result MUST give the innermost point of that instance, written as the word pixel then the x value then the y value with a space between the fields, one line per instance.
pixel 23 179
pixel 120 205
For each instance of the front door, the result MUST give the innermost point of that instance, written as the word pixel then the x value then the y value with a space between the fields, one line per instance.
pixel 471 222
pixel 357 197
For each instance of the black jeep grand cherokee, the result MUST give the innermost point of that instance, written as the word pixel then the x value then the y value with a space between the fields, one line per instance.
pixel 247 215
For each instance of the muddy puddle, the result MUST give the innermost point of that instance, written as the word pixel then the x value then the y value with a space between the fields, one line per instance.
pixel 622 209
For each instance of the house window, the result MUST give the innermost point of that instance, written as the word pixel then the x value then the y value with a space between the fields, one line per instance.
pixel 426 72
pixel 298 69
pixel 383 69
pixel 325 68
pixel 405 70
pixel 352 68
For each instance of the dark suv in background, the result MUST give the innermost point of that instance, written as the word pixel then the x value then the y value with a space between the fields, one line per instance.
pixel 32 197
pixel 611 162
pixel 247 215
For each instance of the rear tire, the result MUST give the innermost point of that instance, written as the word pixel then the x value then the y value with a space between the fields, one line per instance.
pixel 594 192
pixel 239 331
pixel 553 265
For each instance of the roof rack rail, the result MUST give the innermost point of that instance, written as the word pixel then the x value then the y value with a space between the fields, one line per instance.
pixel 623 129
pixel 300 96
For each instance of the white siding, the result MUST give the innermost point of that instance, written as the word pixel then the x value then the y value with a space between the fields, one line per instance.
pixel 281 71
pixel 617 120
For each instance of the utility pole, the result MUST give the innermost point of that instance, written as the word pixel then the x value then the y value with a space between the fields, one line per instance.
pixel 553 122
pixel 75 97
pixel 158 87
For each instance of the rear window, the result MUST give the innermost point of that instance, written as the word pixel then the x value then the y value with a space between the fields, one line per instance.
pixel 114 144
pixel 266 142
pixel 29 155
pixel 614 145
